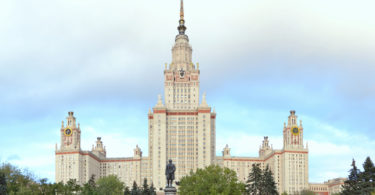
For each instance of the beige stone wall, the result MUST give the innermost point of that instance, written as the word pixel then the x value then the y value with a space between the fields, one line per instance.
pixel 241 165
pixel 93 167
pixel 319 188
pixel 68 167
pixel 146 170
pixel 187 137
pixel 159 146
pixel 127 169
pixel 295 171
pixel 335 188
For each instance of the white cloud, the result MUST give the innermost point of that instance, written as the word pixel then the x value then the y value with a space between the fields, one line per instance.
pixel 324 130
pixel 332 149
pixel 318 148
pixel 117 143
pixel 36 161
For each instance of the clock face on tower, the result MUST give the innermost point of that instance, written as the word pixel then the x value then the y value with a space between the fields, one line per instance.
pixel 295 130
pixel 68 132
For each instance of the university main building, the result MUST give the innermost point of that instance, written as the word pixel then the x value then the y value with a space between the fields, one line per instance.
pixel 182 128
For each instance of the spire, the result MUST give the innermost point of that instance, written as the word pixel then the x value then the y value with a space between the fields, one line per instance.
pixel 182 10
pixel 181 28
pixel 181 51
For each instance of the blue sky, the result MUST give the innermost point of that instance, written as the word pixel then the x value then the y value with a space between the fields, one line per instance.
pixel 258 60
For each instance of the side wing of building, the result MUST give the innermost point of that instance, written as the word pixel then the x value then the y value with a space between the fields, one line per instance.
pixel 73 163
pixel 288 165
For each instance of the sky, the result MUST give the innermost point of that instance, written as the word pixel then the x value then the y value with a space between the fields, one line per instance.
pixel 104 60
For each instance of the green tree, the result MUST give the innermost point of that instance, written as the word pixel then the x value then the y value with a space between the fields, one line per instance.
pixel 109 185
pixel 52 188
pixel 145 189
pixel 11 175
pixel 31 188
pixel 255 181
pixel 269 184
pixel 72 187
pixel 284 193
pixel 89 188
pixel 211 180
pixel 18 181
pixel 3 184
pixel 351 186
pixel 135 189
pixel 59 188
pixel 306 192
pixel 366 178
pixel 43 185
pixel 127 191
pixel 152 189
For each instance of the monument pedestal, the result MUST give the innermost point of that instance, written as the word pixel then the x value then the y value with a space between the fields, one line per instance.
pixel 170 191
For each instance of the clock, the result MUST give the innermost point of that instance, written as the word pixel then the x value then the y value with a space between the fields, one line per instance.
pixel 68 131
pixel 182 73
pixel 295 130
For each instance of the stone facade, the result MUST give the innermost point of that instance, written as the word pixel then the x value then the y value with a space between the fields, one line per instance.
pixel 332 186
pixel 182 128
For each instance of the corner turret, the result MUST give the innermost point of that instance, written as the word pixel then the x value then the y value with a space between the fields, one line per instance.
pixel 265 148
pixel 293 132
pixel 99 150
pixel 226 152
pixel 137 152
pixel 70 134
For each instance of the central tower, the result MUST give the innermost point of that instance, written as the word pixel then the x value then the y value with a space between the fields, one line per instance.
pixel 181 127
pixel 181 78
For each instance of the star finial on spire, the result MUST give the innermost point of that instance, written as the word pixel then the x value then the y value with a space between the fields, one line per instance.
pixel 182 10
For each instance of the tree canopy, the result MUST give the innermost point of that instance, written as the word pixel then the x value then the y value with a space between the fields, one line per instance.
pixel 89 188
pixel 360 183
pixel 213 180
pixel 254 181
pixel 110 185
pixel 16 181
pixel 307 192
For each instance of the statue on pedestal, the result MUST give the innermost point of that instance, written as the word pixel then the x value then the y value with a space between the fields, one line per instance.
pixel 169 173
